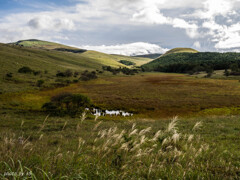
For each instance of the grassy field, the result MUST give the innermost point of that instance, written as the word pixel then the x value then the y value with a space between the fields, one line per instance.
pixel 202 143
pixel 147 95
pixel 35 147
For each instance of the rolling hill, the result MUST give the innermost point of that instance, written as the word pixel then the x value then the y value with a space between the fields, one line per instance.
pixel 181 61
pixel 49 57
pixel 102 58
pixel 180 50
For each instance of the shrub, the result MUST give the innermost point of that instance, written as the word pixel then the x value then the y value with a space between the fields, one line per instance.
pixel 86 76
pixel 208 75
pixel 68 82
pixel 67 73
pixel 25 70
pixel 124 70
pixel 67 104
pixel 127 63
pixel 50 107
pixel 60 74
pixel 226 72
pixel 36 73
pixel 40 83
pixel 9 75
pixel 76 74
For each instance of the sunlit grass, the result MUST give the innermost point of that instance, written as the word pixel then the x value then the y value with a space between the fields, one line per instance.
pixel 97 149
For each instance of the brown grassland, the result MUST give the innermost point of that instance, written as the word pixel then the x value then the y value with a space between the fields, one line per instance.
pixel 148 94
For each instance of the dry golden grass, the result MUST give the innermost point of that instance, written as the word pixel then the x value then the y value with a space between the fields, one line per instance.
pixel 105 150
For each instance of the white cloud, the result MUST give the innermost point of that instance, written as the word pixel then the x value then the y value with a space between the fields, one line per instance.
pixel 50 23
pixel 224 35
pixel 152 15
pixel 229 37
pixel 213 8
pixel 93 12
pixel 197 45
pixel 197 18
pixel 138 48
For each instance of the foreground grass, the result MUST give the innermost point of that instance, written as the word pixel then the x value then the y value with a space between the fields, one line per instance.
pixel 39 147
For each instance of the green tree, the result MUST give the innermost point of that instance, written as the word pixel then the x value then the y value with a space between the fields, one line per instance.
pixel 226 72
pixel 67 103
pixel 234 67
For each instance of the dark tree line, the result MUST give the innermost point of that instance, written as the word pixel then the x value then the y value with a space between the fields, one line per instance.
pixel 123 70
pixel 194 62
pixel 127 63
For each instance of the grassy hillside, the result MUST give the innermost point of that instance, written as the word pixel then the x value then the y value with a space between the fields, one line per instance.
pixel 13 57
pixel 180 50
pixel 50 57
pixel 138 61
pixel 34 43
pixel 105 59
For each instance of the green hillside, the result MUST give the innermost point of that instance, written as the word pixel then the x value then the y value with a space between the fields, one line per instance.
pixel 103 58
pixel 151 56
pixel 187 62
pixel 13 57
pixel 180 50
pixel 136 60
pixel 50 57
pixel 34 43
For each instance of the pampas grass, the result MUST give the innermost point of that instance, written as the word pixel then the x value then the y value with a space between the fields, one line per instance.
pixel 111 153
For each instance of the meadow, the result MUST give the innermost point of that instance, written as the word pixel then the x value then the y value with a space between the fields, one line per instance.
pixel 34 146
pixel 153 95
pixel 201 144
pixel 183 126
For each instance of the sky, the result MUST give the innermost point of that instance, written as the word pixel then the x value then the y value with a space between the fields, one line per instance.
pixel 127 27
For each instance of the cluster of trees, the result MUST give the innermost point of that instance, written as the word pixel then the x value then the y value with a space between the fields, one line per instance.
pixel 127 63
pixel 123 70
pixel 235 70
pixel 67 104
pixel 193 62
pixel 67 73
pixel 86 75
pixel 71 50
pixel 28 70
